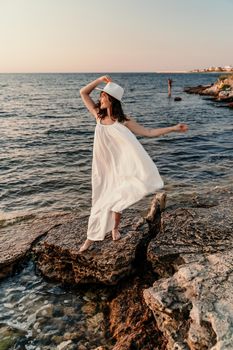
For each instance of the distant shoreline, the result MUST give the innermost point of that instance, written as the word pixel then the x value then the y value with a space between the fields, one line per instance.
pixel 154 72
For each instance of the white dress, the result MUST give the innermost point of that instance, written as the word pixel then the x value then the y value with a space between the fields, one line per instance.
pixel 122 174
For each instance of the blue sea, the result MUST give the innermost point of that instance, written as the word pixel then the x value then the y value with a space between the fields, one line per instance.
pixel 46 138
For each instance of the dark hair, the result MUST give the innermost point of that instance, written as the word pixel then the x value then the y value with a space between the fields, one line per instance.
pixel 117 110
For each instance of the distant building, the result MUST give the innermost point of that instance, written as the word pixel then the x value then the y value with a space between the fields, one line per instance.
pixel 214 69
pixel 228 68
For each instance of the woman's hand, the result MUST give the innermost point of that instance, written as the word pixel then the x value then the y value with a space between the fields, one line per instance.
pixel 105 79
pixel 181 127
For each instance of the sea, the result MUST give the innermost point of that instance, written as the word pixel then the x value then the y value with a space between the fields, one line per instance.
pixel 46 141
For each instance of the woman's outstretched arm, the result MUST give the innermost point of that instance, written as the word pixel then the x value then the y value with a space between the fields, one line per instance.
pixel 138 129
pixel 86 90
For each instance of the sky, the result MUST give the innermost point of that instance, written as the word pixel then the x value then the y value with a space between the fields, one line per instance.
pixel 114 35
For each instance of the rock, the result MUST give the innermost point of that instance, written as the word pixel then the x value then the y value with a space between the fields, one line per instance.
pixel 69 311
pixel 82 347
pixel 95 323
pixel 195 305
pixel 108 261
pixel 177 99
pixel 57 339
pixel 131 322
pixel 192 302
pixel 221 90
pixel 213 90
pixel 225 96
pixel 16 240
pixel 89 308
pixel 196 89
pixel 201 224
pixel 9 336
pixel 45 311
pixel 64 345
pixel 71 336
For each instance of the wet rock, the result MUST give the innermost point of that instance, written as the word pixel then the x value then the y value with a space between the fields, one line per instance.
pixel 177 99
pixel 45 311
pixel 107 262
pixel 95 323
pixel 82 347
pixel 196 89
pixel 9 336
pixel 192 302
pixel 16 240
pixel 64 345
pixel 221 90
pixel 89 308
pixel 69 311
pixel 71 336
pixel 225 96
pixel 57 339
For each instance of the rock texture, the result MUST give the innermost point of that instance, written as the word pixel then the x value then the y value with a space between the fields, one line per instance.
pixel 16 239
pixel 196 89
pixel 192 302
pixel 221 90
pixel 108 261
pixel 131 322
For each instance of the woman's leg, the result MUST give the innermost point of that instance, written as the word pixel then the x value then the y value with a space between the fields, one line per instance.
pixel 85 245
pixel 115 232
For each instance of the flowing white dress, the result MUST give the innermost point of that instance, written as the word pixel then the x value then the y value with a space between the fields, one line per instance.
pixel 122 174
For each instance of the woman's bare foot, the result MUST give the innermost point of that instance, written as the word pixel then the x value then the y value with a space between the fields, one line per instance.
pixel 85 246
pixel 116 234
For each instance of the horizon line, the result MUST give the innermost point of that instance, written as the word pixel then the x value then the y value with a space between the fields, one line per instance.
pixel 101 72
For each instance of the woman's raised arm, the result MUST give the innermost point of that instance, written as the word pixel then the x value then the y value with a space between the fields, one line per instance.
pixel 86 90
pixel 138 129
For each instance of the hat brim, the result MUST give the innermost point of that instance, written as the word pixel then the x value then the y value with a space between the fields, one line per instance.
pixel 109 94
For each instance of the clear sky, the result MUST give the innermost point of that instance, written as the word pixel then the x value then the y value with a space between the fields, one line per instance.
pixel 114 35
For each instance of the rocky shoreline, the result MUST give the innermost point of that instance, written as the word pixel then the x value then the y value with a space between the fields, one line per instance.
pixel 220 91
pixel 169 277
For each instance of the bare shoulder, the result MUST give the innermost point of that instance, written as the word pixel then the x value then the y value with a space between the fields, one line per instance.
pixel 129 121
pixel 135 127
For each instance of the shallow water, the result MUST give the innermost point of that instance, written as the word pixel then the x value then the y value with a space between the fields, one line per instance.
pixel 42 315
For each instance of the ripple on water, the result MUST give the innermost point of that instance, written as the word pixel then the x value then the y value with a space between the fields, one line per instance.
pixel 47 136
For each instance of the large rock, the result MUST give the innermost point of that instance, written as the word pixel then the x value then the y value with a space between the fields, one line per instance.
pixel 192 302
pixel 221 90
pixel 17 238
pixel 108 261
pixel 196 89
pixel 200 224
pixel 194 308
pixel 131 322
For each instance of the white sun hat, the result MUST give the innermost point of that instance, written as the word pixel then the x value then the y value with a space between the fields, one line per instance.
pixel 113 90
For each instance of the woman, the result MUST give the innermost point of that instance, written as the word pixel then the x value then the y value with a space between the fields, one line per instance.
pixel 122 171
